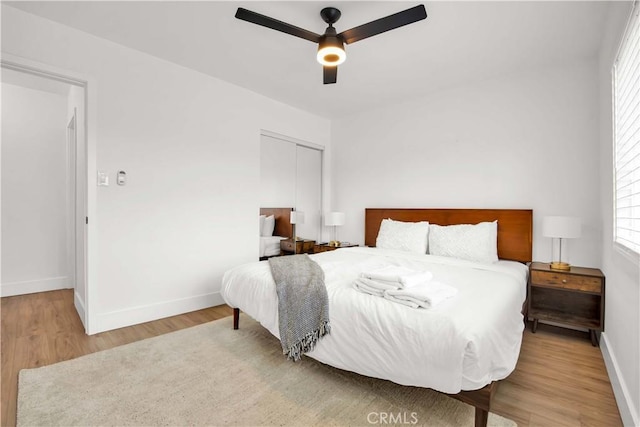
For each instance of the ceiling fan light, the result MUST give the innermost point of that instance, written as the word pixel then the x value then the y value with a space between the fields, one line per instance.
pixel 331 51
pixel 331 56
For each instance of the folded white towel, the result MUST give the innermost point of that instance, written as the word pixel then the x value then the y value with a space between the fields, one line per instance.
pixel 361 287
pixel 427 295
pixel 402 276
pixel 372 287
pixel 418 278
pixel 401 301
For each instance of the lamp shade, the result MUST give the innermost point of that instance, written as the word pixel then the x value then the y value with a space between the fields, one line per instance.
pixel 296 217
pixel 334 218
pixel 565 227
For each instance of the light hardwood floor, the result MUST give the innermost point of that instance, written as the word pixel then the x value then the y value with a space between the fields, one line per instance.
pixel 560 378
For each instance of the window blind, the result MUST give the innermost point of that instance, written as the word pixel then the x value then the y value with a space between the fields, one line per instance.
pixel 626 118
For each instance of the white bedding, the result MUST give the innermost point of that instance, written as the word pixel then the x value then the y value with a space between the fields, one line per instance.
pixel 463 343
pixel 270 245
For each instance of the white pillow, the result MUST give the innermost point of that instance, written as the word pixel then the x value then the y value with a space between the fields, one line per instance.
pixel 262 217
pixel 404 236
pixel 268 226
pixel 477 242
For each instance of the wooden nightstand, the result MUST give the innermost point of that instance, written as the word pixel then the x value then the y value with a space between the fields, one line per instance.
pixel 324 247
pixel 303 247
pixel 574 297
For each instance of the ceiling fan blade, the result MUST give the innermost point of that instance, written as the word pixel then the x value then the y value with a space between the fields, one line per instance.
pixel 330 74
pixel 274 24
pixel 381 25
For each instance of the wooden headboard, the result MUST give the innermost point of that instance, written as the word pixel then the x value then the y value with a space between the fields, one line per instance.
pixel 283 220
pixel 514 225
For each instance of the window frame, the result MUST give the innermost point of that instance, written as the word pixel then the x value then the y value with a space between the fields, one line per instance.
pixel 633 24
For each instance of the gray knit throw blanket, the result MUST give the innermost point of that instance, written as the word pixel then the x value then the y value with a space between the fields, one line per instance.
pixel 303 304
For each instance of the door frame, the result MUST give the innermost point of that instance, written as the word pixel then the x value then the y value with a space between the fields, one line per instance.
pixel 72 198
pixel 85 308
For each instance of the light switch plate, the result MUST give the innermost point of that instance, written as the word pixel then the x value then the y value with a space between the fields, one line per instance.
pixel 103 179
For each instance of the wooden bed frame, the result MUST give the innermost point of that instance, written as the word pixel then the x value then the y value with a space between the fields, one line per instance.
pixel 515 228
pixel 515 231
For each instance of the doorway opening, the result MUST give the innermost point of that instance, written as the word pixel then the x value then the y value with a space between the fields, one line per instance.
pixel 43 175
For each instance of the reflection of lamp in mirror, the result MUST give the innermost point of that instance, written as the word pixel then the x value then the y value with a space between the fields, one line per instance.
pixel 334 219
pixel 560 227
pixel 296 217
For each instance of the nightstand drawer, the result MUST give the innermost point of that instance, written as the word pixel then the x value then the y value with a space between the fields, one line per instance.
pixel 567 281
pixel 287 245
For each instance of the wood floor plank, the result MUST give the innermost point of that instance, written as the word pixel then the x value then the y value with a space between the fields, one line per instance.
pixel 9 377
pixel 560 379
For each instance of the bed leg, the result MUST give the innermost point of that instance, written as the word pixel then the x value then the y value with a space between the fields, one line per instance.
pixel 236 317
pixel 482 417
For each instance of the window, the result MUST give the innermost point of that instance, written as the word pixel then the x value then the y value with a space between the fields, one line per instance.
pixel 626 125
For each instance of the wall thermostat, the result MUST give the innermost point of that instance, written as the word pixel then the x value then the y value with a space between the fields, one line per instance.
pixel 121 178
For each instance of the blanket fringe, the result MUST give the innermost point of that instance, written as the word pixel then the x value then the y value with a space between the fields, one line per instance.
pixel 308 342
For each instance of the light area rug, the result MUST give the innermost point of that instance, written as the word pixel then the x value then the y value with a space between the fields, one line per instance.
pixel 213 375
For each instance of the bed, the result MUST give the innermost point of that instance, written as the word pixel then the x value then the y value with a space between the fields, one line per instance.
pixel 282 229
pixel 462 347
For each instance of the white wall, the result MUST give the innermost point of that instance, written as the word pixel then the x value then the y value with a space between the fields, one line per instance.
pixel 190 146
pixel 34 191
pixel 621 340
pixel 526 140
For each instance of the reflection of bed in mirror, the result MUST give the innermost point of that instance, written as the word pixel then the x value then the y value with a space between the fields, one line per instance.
pixel 273 230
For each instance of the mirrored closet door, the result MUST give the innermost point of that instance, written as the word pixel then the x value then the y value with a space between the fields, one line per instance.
pixel 309 191
pixel 291 176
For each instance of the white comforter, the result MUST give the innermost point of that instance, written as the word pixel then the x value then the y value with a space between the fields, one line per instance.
pixel 463 343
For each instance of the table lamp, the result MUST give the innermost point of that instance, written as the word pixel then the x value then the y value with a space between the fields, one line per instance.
pixel 334 219
pixel 560 227
pixel 296 217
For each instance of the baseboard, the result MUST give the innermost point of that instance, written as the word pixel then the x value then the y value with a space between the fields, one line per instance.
pixel 33 286
pixel 135 315
pixel 628 411
pixel 79 304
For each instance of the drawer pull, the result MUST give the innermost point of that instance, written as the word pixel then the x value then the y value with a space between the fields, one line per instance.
pixel 564 280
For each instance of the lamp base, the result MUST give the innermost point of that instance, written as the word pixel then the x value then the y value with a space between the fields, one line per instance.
pixel 562 266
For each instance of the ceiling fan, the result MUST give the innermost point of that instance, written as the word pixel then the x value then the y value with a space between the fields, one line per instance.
pixel 331 44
